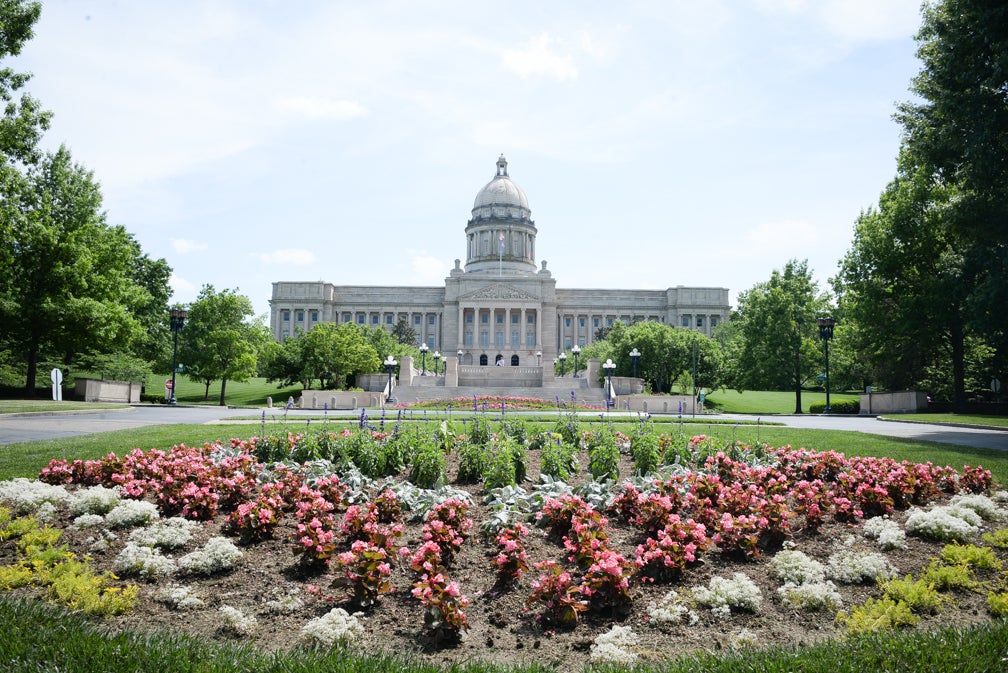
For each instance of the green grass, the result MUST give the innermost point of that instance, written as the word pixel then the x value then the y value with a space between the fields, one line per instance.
pixel 251 393
pixel 24 406
pixel 769 401
pixel 38 637
pixel 957 419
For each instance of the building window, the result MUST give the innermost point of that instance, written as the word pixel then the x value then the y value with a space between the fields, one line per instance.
pixel 388 319
pixel 609 322
pixel 699 321
pixel 685 321
pixel 581 322
pixel 484 318
pixel 515 318
pixel 469 318
pixel 500 318
pixel 484 339
pixel 284 335
pixel 469 338
pixel 360 318
pixel 514 360
pixel 567 343
pixel 416 320
pixel 515 339
pixel 566 322
pixel 430 342
pixel 595 323
pixel 431 319
pixel 300 316
pixel 483 360
pixel 530 339
pixel 499 340
pixel 285 316
pixel 314 316
pixel 581 341
pixel 347 317
pixel 530 319
pixel 713 321
pixel 374 319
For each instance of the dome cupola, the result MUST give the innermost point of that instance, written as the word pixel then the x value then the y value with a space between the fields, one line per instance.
pixel 501 233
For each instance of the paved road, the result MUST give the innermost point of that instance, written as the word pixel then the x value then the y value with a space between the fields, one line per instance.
pixel 28 427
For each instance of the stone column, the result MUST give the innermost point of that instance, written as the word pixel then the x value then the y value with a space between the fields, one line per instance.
pixel 461 325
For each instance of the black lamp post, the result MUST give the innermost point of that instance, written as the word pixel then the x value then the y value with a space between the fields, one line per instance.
pixel 576 351
pixel 423 359
pixel 538 358
pixel 459 354
pixel 826 333
pixel 437 362
pixel 608 367
pixel 563 364
pixel 634 357
pixel 176 321
pixel 390 365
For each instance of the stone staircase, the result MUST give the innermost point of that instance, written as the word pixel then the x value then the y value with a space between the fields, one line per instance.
pixel 411 394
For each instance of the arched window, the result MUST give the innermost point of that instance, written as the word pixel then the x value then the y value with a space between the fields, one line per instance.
pixel 514 360
pixel 483 360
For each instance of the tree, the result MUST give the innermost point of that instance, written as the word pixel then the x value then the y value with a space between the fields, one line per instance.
pixel 404 333
pixel 23 121
pixel 218 342
pixel 956 138
pixel 70 283
pixel 332 353
pixel 776 344
pixel 901 285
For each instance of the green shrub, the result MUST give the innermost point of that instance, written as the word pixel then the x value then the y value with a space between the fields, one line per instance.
pixel 603 456
pixel 428 469
pixel 997 604
pixel 949 577
pixel 877 615
pixel 840 407
pixel 646 451
pixel 971 555
pixel 997 538
pixel 559 460
pixel 474 459
pixel 501 471
pixel 919 596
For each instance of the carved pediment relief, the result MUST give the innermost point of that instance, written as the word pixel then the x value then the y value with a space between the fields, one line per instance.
pixel 500 291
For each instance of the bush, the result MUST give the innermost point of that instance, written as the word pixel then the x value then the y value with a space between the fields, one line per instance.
pixel 841 407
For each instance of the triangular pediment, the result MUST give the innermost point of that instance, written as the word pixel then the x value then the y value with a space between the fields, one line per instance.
pixel 501 291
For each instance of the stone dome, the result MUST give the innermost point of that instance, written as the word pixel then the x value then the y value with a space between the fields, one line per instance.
pixel 501 197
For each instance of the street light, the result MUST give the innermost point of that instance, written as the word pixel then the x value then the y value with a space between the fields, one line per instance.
pixel 576 351
pixel 176 320
pixel 563 364
pixel 390 365
pixel 608 367
pixel 437 361
pixel 459 355
pixel 826 333
pixel 538 358
pixel 423 359
pixel 634 357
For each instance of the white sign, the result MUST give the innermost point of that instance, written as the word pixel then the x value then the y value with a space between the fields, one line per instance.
pixel 57 380
pixel 996 386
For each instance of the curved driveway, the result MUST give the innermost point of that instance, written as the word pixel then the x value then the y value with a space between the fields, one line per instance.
pixel 29 427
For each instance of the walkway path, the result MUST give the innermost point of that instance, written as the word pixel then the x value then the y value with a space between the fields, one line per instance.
pixel 29 427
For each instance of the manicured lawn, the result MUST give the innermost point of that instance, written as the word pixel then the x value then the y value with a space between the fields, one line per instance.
pixel 959 419
pixel 23 406
pixel 251 393
pixel 769 401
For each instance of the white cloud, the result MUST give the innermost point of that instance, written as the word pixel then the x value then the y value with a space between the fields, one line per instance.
pixel 182 289
pixel 292 256
pixel 322 108
pixel 184 246
pixel 427 269
pixel 538 57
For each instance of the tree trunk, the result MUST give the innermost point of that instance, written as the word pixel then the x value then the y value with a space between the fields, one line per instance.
pixel 206 390
pixel 958 368
pixel 32 372
pixel 223 385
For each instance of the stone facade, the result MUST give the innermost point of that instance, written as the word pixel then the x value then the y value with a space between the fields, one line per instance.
pixel 500 305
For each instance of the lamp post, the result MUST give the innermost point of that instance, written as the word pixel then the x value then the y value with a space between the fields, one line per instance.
pixel 423 359
pixel 390 365
pixel 437 361
pixel 634 357
pixel 563 364
pixel 826 333
pixel 538 358
pixel 576 351
pixel 459 355
pixel 608 366
pixel 176 321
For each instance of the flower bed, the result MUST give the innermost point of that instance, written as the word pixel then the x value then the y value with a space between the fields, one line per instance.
pixel 462 571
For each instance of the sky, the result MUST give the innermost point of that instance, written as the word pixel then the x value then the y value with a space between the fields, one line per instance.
pixel 659 143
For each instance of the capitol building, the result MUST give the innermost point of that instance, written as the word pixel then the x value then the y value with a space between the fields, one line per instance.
pixel 500 306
